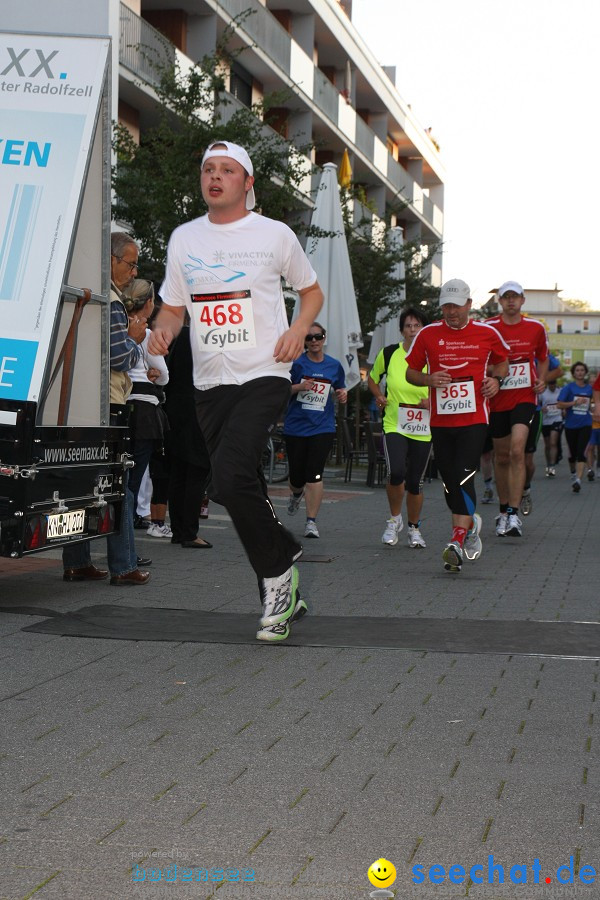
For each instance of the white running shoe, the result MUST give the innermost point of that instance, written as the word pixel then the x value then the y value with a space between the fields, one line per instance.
pixel 294 504
pixel 526 502
pixel 513 526
pixel 472 545
pixel 453 557
pixel 311 530
pixel 278 632
pixel 392 528
pixel 501 522
pixel 279 597
pixel 159 531
pixel 415 538
pixel 551 472
pixel 488 495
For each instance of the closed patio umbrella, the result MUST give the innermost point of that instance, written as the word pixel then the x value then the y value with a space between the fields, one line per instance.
pixel 330 260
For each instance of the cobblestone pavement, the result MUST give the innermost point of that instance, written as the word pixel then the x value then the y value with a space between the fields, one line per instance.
pixel 292 769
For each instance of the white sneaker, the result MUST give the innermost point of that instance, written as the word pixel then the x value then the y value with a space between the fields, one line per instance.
pixel 279 597
pixel 278 632
pixel 294 504
pixel 472 545
pixel 311 530
pixel 501 522
pixel 393 527
pixel 159 531
pixel 513 526
pixel 415 538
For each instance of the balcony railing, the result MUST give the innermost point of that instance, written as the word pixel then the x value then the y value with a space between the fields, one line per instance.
pixel 365 138
pixel 325 95
pixel 142 48
pixel 262 26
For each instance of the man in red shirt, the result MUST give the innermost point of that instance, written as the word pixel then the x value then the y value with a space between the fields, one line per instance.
pixel 514 408
pixel 458 353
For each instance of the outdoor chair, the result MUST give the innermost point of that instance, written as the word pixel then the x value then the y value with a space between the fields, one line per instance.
pixel 376 461
pixel 351 453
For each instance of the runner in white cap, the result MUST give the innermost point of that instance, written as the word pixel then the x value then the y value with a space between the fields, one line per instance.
pixel 457 352
pixel 514 409
pixel 225 269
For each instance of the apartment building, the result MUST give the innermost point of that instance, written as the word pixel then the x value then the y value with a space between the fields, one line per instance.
pixel 342 97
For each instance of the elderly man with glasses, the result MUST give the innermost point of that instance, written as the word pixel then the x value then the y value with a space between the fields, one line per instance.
pixel 125 336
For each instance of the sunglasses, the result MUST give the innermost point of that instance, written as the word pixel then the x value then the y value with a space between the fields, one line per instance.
pixel 314 337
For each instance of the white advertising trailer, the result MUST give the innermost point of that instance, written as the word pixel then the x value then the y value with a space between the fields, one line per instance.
pixel 62 457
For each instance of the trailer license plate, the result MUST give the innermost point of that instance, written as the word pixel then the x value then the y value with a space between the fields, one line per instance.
pixel 65 524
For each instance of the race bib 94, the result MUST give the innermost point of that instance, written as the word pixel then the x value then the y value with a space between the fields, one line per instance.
pixel 223 321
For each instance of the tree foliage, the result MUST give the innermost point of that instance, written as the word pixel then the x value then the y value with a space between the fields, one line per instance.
pixel 382 270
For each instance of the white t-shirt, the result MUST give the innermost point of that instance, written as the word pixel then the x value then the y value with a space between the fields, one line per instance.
pixel 229 279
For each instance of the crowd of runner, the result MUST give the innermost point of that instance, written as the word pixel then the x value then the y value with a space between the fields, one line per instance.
pixel 473 395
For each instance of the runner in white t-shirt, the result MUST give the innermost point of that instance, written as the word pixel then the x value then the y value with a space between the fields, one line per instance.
pixel 225 269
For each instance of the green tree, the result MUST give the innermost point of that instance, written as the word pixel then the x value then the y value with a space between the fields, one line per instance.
pixel 375 259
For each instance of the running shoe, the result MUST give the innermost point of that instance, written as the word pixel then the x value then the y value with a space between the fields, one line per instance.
pixel 278 632
pixel 415 538
pixel 300 610
pixel 501 522
pixel 472 546
pixel 281 631
pixel 311 530
pixel 294 504
pixel 590 474
pixel 513 526
pixel 526 502
pixel 576 486
pixel 392 528
pixel 279 597
pixel 550 472
pixel 159 531
pixel 453 557
pixel 488 495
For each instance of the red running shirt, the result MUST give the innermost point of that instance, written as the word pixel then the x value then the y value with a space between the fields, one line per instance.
pixel 527 341
pixel 465 353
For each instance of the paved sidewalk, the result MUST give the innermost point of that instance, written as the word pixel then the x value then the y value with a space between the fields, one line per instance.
pixel 298 767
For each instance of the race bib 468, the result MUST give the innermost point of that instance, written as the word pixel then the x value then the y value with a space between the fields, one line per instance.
pixel 223 321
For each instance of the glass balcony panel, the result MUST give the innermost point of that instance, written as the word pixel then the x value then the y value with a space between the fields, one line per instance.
pixel 262 26
pixel 325 96
pixel 143 49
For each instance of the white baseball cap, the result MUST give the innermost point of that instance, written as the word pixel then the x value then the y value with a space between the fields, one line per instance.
pixel 510 286
pixel 233 151
pixel 455 291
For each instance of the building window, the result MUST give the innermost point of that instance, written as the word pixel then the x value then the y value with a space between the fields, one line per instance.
pixel 240 84
pixel 559 326
pixel 586 324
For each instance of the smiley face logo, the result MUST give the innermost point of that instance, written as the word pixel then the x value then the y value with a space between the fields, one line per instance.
pixel 381 873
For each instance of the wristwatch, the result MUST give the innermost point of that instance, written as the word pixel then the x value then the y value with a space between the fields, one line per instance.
pixel 499 379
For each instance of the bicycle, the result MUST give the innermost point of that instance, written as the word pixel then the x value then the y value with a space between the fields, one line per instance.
pixel 275 462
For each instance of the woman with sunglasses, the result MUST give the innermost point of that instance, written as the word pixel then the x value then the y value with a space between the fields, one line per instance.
pixel 309 427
